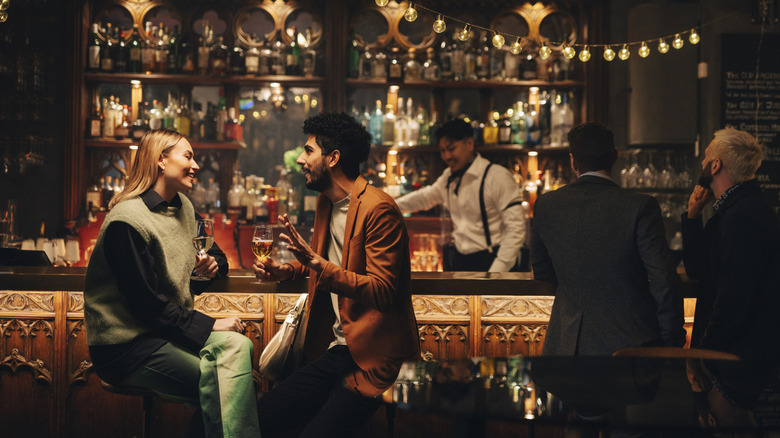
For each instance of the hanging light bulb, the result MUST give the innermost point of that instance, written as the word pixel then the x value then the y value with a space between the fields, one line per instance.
pixel 498 40
pixel 678 41
pixel 585 54
pixel 609 54
pixel 643 50
pixel 411 13
pixel 544 51
pixel 694 37
pixel 568 51
pixel 3 16
pixel 517 47
pixel 623 54
pixel 4 4
pixel 381 2
pixel 464 34
pixel 439 25
pixel 662 46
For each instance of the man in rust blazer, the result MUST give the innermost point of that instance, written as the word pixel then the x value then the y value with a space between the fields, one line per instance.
pixel 361 324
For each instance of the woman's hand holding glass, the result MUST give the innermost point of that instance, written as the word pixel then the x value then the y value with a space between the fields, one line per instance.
pixel 205 267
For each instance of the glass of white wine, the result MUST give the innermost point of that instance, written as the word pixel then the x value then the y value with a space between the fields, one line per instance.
pixel 203 241
pixel 262 242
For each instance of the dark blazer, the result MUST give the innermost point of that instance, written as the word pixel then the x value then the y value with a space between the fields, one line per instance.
pixel 736 258
pixel 373 284
pixel 617 286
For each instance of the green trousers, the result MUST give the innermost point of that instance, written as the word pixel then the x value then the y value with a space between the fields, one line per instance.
pixel 219 382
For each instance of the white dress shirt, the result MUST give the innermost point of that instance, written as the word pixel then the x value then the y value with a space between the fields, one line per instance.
pixel 505 214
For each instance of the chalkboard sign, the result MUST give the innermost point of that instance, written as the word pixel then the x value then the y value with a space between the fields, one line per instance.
pixel 742 92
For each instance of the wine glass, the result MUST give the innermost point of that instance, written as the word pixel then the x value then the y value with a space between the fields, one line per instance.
pixel 262 242
pixel 203 240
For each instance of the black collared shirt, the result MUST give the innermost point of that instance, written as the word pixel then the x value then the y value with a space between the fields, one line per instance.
pixel 133 265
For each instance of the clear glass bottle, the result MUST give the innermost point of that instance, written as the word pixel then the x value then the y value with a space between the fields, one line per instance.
pixel 401 125
pixel 366 59
pixel 237 61
pixel 94 48
pixel 519 125
pixel 173 56
pixel 155 115
pixel 483 57
pixel 445 57
pixel 107 52
pixel 292 65
pixel 388 126
pixel 431 69
pixel 379 65
pixel 161 50
pixel 395 69
pixel 424 137
pixel 121 53
pixel 375 123
pixel 252 58
pixel 134 51
pixel 277 58
pixel 147 51
pixel 204 50
pixel 219 58
pixel 412 67
pixel 308 56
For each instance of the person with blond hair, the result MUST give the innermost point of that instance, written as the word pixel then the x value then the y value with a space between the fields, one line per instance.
pixel 141 327
pixel 736 258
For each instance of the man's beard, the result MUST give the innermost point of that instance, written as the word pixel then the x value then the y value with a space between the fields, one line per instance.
pixel 319 178
pixel 705 179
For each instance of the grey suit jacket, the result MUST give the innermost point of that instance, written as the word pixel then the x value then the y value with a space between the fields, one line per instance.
pixel 617 286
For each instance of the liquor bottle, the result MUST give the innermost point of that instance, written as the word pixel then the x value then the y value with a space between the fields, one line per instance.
pixel 544 117
pixel 140 125
pixel 234 197
pixel 204 50
pixel 95 122
pixel 445 57
pixel 293 205
pixel 490 131
pixel 230 124
pixel 187 56
pixel 375 124
pixel 94 49
pixel 483 58
pixel 395 69
pixel 169 114
pixel 379 66
pixel 121 53
pixel 556 120
pixel 237 61
pixel 107 52
pixel 108 118
pixel 414 125
pixel 210 123
pixel 504 130
pixel 219 58
pixel 134 51
pixel 308 56
pixel 272 204
pixel 388 126
pixel 353 55
pixel 412 67
pixel 248 199
pixel 252 58
pixel 196 122
pixel 458 60
pixel 366 59
pixel 266 58
pixel 519 125
pixel 401 125
pixel 184 120
pixel 161 50
pixel 173 58
pixel 108 190
pixel 292 65
pixel 277 61
pixel 498 63
pixel 567 118
pixel 431 69
pixel 534 129
pixel 511 65
pixel 155 115
pixel 94 198
pixel 147 51
pixel 424 137
pixel 221 116
pixel 282 192
pixel 122 129
pixel 529 67
pixel 469 61
pixel 309 207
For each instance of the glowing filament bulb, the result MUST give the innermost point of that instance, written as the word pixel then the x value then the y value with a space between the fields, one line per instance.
pixel 464 34
pixel 411 13
pixel 678 41
pixel 663 47
pixel 694 37
pixel 568 52
pixel 544 51
pixel 498 40
pixel 585 54
pixel 623 54
pixel 439 25
pixel 643 50
pixel 517 47
pixel 381 2
pixel 609 54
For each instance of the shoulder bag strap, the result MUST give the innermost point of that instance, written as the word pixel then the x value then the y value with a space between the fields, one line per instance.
pixel 482 210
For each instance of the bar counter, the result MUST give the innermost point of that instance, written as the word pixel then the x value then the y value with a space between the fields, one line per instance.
pixel 47 385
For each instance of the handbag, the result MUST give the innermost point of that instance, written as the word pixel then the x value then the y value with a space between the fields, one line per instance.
pixel 285 346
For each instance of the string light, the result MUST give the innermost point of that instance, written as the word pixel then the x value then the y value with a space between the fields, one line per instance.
pixel 411 13
pixel 678 42
pixel 464 34
pixel 439 25
pixel 381 2
pixel 609 54
pixel 623 54
pixel 568 51
pixel 584 54
pixel 662 46
pixel 694 38
pixel 544 51
pixel 643 50
pixel 517 47
pixel 498 40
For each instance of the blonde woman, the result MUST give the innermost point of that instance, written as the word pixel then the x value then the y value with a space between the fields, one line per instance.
pixel 140 323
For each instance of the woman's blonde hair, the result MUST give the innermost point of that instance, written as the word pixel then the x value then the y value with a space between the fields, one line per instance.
pixel 740 151
pixel 144 172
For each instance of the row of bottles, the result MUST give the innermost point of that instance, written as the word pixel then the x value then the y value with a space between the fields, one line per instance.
pixel 250 200
pixel 452 59
pixel 113 120
pixel 399 125
pixel 164 50
pixel 100 193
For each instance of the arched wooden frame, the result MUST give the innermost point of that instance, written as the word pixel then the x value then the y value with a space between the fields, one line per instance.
pixel 280 12
pixel 394 13
pixel 174 14
pixel 534 15
pixel 138 9
pixel 225 15
pixel 103 12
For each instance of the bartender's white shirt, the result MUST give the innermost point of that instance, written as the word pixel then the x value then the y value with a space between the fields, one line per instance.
pixel 507 225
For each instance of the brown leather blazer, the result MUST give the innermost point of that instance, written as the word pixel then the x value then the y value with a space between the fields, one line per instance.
pixel 373 284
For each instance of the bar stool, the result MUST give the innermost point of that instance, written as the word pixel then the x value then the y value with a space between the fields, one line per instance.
pixel 136 391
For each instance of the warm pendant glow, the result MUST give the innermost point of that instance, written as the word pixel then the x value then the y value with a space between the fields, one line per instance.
pixel 544 51
pixel 644 50
pixel 678 42
pixel 569 52
pixel 663 47
pixel 498 40
pixel 411 13
pixel 517 47
pixel 381 2
pixel 464 34
pixel 623 54
pixel 609 54
pixel 694 37
pixel 439 25
pixel 585 54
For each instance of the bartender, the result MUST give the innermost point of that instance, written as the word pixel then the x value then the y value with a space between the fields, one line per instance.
pixel 484 203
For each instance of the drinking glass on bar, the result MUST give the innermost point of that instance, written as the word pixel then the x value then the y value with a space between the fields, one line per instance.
pixel 262 242
pixel 203 241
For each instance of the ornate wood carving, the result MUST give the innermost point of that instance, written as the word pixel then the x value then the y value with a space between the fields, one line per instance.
pixel 429 307
pixel 26 302
pixel 283 305
pixel 500 339
pixel 76 302
pixel 81 375
pixel 15 361
pixel 437 340
pixel 230 303
pixel 525 308
pixel 27 329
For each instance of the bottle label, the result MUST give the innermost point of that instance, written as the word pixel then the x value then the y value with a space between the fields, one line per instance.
pixel 135 54
pixel 94 57
pixel 252 64
pixel 94 128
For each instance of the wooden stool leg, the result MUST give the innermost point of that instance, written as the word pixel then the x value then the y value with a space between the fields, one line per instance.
pixel 390 413
pixel 148 406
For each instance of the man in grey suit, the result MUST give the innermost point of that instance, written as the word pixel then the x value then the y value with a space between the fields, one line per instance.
pixel 606 250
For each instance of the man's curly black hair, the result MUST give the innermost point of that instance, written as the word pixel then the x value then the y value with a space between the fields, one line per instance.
pixel 340 131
